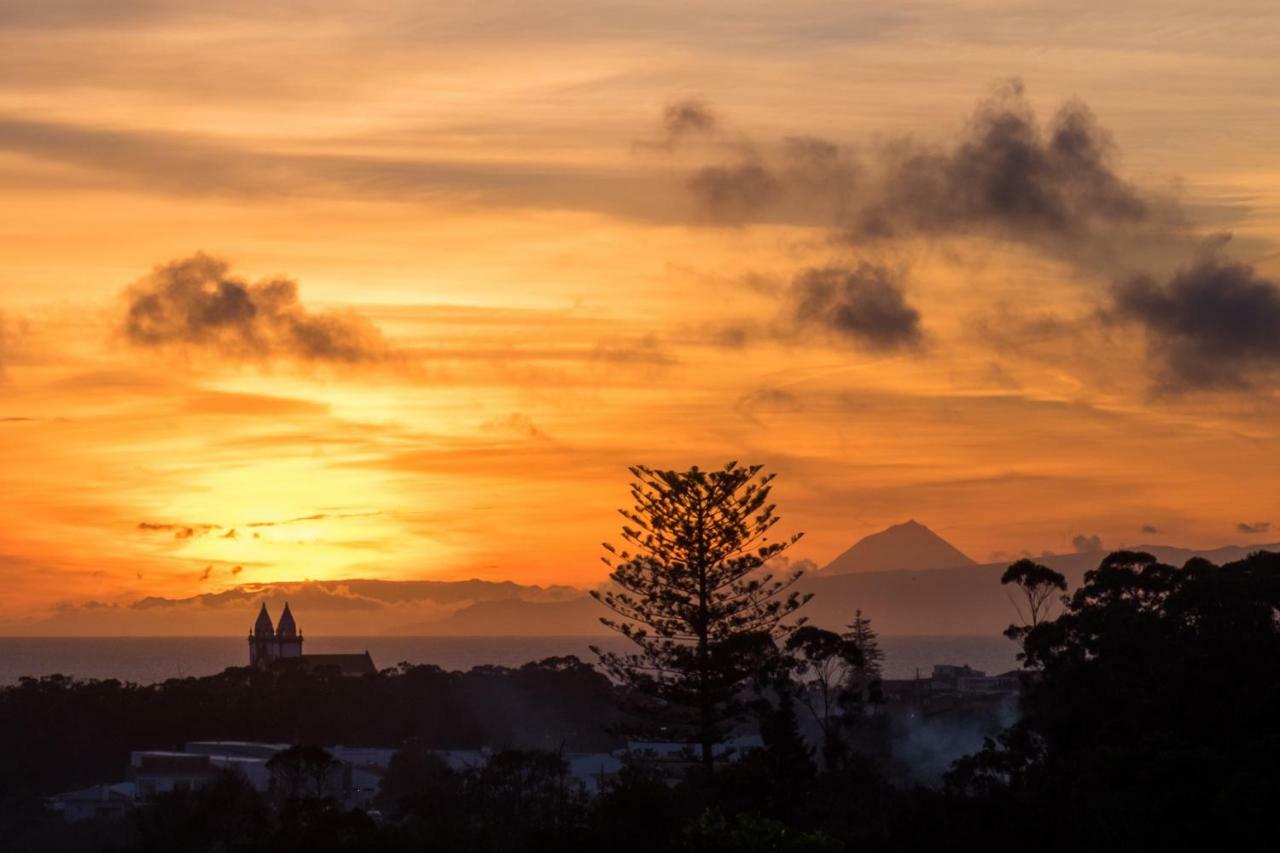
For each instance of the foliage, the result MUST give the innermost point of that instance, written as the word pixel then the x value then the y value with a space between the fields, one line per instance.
pixel 745 833
pixel 1156 692
pixel 1037 585
pixel 304 772
pixel 692 595
pixel 1148 722
pixel 838 675
pixel 58 733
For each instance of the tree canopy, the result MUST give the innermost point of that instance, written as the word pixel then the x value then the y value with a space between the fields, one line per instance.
pixel 692 592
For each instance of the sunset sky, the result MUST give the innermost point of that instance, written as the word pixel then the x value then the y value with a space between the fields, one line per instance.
pixel 399 290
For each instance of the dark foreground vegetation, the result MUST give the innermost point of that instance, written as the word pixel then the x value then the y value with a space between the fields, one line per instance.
pixel 1149 720
pixel 57 733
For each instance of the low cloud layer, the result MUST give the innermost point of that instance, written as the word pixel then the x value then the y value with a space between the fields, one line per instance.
pixel 1250 529
pixel 197 303
pixel 1215 324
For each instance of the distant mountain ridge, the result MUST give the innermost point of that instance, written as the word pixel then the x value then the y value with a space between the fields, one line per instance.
pixel 909 546
pixel 932 588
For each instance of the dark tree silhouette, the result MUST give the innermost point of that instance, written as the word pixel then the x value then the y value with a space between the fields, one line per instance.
pixel 1037 585
pixel 693 596
pixel 825 663
pixel 304 772
pixel 865 677
pixel 1151 717
pixel 838 675
pixel 712 832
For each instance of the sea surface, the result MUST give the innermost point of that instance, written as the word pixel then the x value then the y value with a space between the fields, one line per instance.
pixel 146 660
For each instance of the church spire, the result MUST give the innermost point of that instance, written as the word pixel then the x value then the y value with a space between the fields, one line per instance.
pixel 262 628
pixel 287 628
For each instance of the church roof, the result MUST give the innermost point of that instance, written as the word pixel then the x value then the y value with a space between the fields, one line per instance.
pixel 262 628
pixel 287 627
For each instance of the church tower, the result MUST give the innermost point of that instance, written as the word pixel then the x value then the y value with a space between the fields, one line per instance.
pixel 262 639
pixel 288 637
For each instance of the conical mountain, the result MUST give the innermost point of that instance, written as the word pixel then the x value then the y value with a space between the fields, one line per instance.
pixel 907 546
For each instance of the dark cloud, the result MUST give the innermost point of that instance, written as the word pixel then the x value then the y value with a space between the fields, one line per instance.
pixel 179 531
pixel 688 117
pixel 14 331
pixel 1008 177
pixel 1150 528
pixel 197 303
pixel 195 531
pixel 518 424
pixel 811 181
pixel 643 350
pixel 768 401
pixel 818 174
pixel 1005 177
pixel 1255 527
pixel 737 193
pixel 1086 544
pixel 1215 324
pixel 864 305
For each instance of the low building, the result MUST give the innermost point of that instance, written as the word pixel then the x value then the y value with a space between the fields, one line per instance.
pixel 97 801
pixel 157 771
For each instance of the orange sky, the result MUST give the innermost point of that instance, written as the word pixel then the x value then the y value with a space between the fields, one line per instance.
pixel 535 243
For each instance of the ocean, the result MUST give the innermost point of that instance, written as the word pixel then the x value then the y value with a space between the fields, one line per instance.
pixel 146 660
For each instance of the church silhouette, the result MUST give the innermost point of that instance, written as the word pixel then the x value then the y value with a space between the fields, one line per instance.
pixel 281 646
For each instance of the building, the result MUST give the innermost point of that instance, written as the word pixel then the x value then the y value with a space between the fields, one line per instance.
pixel 267 644
pixel 98 801
pixel 282 646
